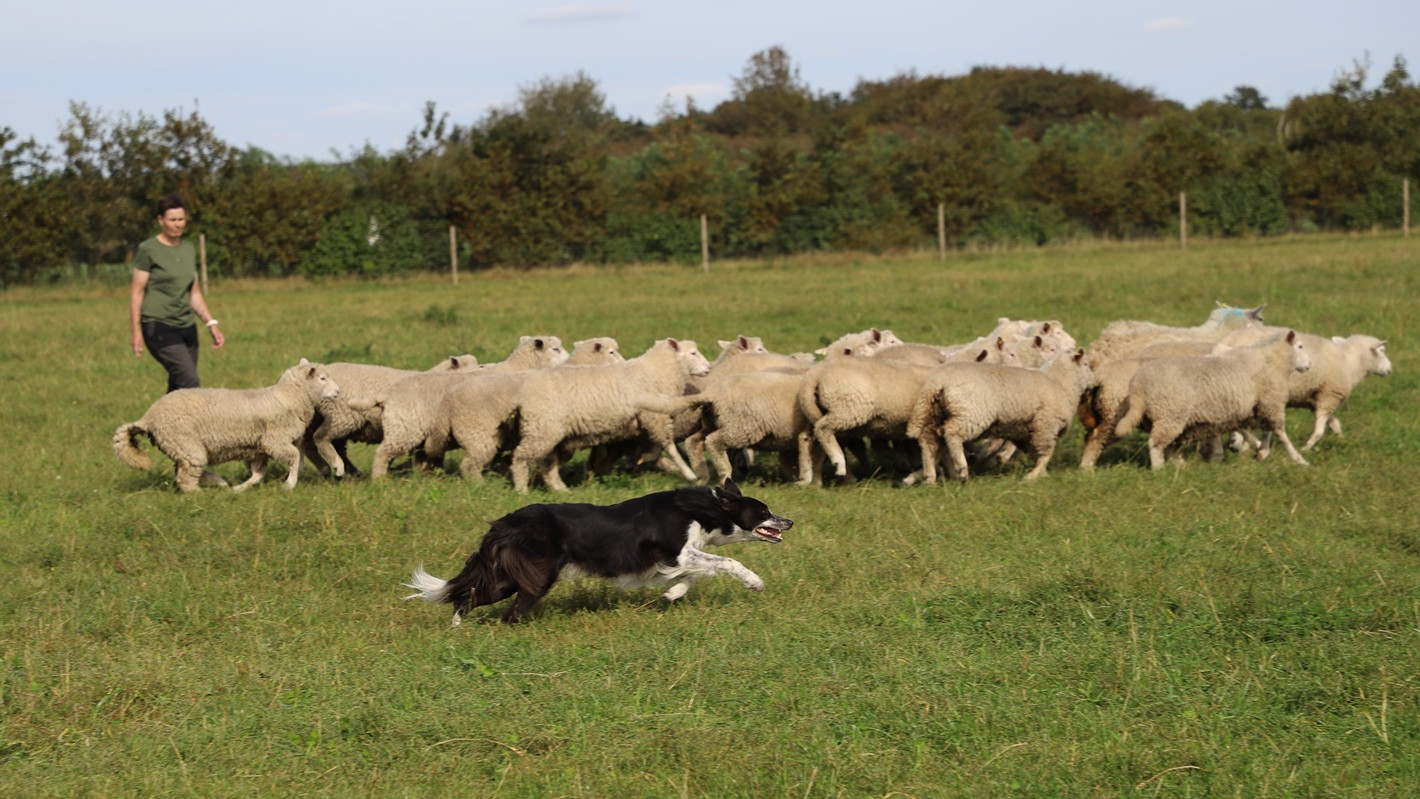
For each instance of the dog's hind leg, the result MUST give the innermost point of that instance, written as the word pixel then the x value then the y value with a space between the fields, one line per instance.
pixel 534 580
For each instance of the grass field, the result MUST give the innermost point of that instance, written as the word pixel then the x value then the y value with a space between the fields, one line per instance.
pixel 1241 629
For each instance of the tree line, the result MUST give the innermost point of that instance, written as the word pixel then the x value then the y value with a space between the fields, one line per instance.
pixel 1006 155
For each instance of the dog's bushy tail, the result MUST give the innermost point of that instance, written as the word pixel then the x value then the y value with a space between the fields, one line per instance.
pixel 427 587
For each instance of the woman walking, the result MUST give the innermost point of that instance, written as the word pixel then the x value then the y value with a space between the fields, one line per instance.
pixel 165 302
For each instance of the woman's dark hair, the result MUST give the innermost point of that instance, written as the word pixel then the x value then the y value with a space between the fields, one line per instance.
pixel 170 202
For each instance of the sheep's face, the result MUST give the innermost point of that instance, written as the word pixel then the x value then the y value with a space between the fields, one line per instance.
pixel 327 387
pixel 1301 359
pixel 689 354
pixel 1380 364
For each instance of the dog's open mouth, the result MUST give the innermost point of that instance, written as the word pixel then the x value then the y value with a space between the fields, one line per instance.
pixel 770 534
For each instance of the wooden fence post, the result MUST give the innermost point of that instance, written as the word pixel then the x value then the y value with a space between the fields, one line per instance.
pixel 704 244
pixel 202 259
pixel 941 231
pixel 454 253
pixel 1182 220
pixel 1405 203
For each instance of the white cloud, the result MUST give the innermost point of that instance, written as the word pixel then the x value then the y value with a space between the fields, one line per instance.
pixel 571 13
pixel 1168 25
pixel 358 109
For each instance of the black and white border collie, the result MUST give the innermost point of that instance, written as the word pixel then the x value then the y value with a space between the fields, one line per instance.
pixel 648 540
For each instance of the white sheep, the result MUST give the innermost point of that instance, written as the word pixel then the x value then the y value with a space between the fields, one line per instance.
pixel 1030 408
pixel 336 423
pixel 865 342
pixel 482 411
pixel 1125 339
pixel 866 397
pixel 1338 366
pixel 748 411
pixel 584 406
pixel 198 427
pixel 1099 407
pixel 1213 395
pixel 413 409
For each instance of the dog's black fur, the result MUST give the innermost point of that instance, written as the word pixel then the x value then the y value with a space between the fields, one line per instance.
pixel 650 539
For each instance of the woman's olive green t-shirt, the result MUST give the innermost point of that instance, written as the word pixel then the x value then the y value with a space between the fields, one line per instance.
pixel 171 271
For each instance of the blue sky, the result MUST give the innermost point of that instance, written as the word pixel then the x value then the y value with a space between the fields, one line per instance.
pixel 307 79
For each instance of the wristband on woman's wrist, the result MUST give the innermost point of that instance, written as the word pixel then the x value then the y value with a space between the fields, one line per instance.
pixel 211 322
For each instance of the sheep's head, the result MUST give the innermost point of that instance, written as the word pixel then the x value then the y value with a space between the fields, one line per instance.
pixel 688 353
pixel 1301 359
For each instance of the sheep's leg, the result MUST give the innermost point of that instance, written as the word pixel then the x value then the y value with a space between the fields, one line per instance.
pixel 1281 430
pixel 327 459
pixel 384 453
pixel 189 475
pixel 1095 442
pixel 478 453
pixel 695 447
pixel 1158 445
pixel 290 455
pixel 810 460
pixel 1043 447
pixel 531 450
pixel 1335 424
pixel 311 449
pixel 211 479
pixel 658 428
pixel 931 445
pixel 824 434
pixel 1319 429
pixel 956 467
pixel 257 466
pixel 719 456
pixel 552 472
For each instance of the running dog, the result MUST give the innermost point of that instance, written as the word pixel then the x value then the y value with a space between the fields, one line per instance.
pixel 649 540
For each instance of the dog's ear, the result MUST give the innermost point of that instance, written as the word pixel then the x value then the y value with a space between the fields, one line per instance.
pixel 731 489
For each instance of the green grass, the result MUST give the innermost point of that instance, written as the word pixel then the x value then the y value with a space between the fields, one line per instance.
pixel 1239 629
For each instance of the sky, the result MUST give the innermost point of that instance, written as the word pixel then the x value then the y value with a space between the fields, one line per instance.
pixel 321 80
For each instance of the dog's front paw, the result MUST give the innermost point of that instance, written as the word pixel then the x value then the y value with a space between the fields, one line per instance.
pixel 753 583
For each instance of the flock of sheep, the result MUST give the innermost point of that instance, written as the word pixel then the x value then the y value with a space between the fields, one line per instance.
pixel 1018 387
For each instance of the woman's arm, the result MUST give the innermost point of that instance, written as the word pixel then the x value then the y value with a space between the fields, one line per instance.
pixel 199 307
pixel 135 309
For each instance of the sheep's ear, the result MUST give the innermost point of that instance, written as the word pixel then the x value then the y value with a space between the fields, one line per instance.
pixel 524 339
pixel 981 356
pixel 1038 343
pixel 310 371
pixel 303 362
pixel 1337 340
pixel 673 344
pixel 1000 343
pixel 1079 355
pixel 724 345
pixel 1291 336
pixel 744 342
pixel 1003 320
pixel 1256 313
pixel 1045 328
pixel 875 335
